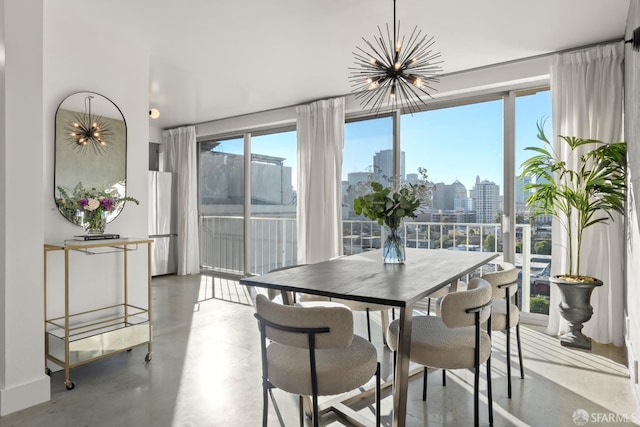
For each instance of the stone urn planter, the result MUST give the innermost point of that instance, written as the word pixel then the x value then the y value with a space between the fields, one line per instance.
pixel 575 308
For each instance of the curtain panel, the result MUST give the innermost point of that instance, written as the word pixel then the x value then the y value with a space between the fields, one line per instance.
pixel 320 130
pixel 587 101
pixel 182 158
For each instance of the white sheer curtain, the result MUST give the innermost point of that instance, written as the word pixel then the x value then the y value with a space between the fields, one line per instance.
pixel 587 101
pixel 182 155
pixel 320 129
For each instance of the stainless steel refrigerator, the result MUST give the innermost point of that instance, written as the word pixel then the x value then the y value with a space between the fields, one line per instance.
pixel 162 226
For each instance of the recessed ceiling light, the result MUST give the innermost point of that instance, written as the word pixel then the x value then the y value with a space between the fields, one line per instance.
pixel 154 113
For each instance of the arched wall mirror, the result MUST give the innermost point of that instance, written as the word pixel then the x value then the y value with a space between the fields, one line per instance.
pixel 90 155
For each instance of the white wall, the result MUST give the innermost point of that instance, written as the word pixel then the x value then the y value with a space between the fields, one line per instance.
pixel 632 136
pixel 73 58
pixel 22 378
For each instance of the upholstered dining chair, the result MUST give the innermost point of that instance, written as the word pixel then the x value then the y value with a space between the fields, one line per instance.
pixel 456 340
pixel 368 308
pixel 312 351
pixel 505 310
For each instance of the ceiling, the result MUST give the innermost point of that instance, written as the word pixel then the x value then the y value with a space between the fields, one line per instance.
pixel 211 59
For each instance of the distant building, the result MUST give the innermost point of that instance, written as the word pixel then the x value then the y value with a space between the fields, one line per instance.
pixel 460 198
pixel 453 216
pixel 464 205
pixel 383 165
pixel 486 200
pixel 450 196
pixel 521 193
pixel 355 186
pixel 221 188
pixel 413 178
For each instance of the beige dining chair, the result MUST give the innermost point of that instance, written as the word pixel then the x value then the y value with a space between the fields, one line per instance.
pixel 456 340
pixel 505 310
pixel 312 351
pixel 367 308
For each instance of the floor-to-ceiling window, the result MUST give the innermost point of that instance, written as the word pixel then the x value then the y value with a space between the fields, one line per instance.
pixel 221 187
pixel 273 241
pixel 232 241
pixel 367 156
pixel 532 107
pixel 460 146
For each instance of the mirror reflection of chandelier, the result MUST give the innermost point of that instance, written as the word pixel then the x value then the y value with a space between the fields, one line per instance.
pixel 88 131
pixel 393 72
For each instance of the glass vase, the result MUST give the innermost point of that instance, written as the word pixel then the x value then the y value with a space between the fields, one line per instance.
pixel 393 247
pixel 94 222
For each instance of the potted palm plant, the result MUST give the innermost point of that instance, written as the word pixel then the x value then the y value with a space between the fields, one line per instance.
pixel 581 193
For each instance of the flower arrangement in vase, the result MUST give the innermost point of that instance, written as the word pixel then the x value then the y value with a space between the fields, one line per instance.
pixel 389 208
pixel 89 206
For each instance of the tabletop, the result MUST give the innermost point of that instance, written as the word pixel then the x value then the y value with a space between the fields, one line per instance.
pixel 365 277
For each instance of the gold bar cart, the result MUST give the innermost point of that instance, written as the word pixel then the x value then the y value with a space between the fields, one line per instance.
pixel 77 338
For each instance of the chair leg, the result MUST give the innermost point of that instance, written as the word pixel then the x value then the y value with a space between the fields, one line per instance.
pixel 507 301
pixel 519 351
pixel 489 391
pixel 384 317
pixel 476 395
pixel 316 412
pixel 395 359
pixel 301 407
pixel 444 378
pixel 428 306
pixel 508 331
pixel 265 405
pixel 424 385
pixel 378 396
pixel 368 325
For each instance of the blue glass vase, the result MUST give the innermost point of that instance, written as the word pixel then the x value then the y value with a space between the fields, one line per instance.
pixel 393 248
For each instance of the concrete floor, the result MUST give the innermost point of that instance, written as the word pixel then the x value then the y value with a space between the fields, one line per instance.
pixel 206 371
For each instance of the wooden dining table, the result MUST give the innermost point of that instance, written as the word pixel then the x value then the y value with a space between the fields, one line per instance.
pixel 366 278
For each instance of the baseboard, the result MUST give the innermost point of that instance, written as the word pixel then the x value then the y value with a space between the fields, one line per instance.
pixel 23 396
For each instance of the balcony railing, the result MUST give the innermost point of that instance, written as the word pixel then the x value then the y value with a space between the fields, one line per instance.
pixel 273 243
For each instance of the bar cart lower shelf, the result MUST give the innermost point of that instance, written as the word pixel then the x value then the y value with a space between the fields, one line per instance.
pixel 82 337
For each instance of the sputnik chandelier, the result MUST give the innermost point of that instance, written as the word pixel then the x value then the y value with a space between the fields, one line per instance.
pixel 394 73
pixel 87 130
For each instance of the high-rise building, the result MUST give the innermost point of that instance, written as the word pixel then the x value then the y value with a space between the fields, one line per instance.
pixel 486 200
pixel 383 165
pixel 449 196
pixel 460 199
pixel 521 193
pixel 439 196
pixel 412 178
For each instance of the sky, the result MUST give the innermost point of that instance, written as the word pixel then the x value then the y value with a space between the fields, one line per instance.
pixel 451 143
